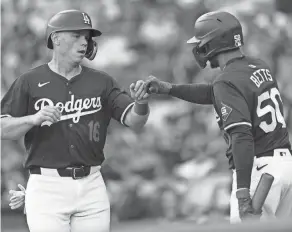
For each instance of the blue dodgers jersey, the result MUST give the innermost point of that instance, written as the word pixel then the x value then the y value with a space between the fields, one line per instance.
pixel 246 93
pixel 87 102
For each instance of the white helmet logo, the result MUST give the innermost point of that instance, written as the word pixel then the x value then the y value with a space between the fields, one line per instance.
pixel 86 18
pixel 237 40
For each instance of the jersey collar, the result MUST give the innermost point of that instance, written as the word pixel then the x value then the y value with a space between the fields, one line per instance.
pixel 233 59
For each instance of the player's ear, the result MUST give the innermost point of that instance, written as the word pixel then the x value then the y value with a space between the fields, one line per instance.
pixel 55 39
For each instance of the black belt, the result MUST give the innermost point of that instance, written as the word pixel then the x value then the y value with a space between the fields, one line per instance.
pixel 74 172
pixel 271 153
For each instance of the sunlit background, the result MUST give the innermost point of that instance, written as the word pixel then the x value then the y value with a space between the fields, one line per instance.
pixel 175 169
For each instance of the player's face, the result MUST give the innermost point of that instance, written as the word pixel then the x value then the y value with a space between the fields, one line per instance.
pixel 73 44
pixel 214 62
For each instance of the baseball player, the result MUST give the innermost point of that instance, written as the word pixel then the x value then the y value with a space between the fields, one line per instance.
pixel 63 110
pixel 249 112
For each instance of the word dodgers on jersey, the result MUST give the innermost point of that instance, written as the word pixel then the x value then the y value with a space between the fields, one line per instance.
pixel 260 76
pixel 72 105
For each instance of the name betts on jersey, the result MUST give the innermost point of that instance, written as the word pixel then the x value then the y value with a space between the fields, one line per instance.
pixel 72 105
pixel 260 76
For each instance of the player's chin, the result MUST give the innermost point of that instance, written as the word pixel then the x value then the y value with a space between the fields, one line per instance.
pixel 79 57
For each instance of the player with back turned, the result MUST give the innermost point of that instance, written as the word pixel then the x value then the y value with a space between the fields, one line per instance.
pixel 249 112
pixel 63 110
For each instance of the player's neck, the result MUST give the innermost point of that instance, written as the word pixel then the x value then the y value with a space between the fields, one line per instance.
pixel 65 69
pixel 224 58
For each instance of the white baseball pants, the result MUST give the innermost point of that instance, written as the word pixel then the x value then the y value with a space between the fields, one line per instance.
pixel 279 200
pixel 62 204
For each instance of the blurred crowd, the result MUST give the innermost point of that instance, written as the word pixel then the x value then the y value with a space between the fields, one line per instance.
pixel 175 167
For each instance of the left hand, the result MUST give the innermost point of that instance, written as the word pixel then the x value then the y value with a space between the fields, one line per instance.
pixel 138 92
pixel 245 205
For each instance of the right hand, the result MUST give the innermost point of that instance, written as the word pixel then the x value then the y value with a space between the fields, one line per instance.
pixel 17 197
pixel 246 211
pixel 48 114
pixel 138 92
pixel 154 85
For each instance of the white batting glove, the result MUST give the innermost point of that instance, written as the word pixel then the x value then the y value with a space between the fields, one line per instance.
pixel 17 197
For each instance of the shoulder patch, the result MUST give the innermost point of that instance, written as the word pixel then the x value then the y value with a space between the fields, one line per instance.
pixel 225 111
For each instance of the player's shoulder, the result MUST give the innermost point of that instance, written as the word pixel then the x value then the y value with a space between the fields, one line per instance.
pixel 240 71
pixel 33 73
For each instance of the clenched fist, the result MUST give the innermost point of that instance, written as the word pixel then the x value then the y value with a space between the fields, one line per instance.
pixel 46 116
pixel 245 205
pixel 154 85
pixel 138 92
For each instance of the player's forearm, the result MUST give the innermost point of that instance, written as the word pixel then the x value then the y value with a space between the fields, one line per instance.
pixel 195 93
pixel 137 117
pixel 243 154
pixel 14 128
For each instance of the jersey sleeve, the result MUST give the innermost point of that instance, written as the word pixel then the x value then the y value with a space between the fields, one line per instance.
pixel 15 101
pixel 119 101
pixel 231 105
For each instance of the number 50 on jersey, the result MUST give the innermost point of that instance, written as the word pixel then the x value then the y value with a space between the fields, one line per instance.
pixel 270 103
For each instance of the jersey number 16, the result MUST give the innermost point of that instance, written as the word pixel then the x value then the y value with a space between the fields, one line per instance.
pixel 93 131
pixel 275 112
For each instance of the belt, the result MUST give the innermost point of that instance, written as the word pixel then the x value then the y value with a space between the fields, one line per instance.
pixel 74 172
pixel 276 152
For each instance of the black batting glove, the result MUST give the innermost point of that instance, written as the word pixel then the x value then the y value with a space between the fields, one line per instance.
pixel 246 212
pixel 154 85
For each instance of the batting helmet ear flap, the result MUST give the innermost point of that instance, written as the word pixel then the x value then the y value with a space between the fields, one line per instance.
pixel 91 49
pixel 199 57
pixel 50 40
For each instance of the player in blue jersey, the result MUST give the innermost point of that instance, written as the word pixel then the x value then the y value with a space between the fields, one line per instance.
pixel 249 112
pixel 63 110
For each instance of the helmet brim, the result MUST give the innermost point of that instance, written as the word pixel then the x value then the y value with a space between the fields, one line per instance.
pixel 95 32
pixel 193 40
